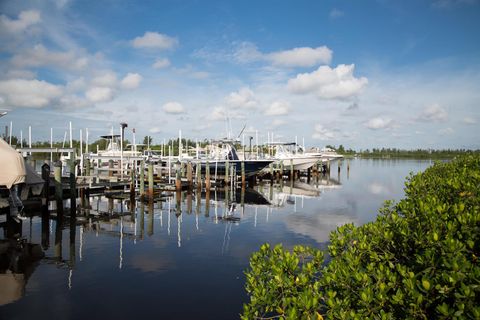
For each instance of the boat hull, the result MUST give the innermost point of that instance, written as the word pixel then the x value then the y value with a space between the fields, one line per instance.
pixel 252 167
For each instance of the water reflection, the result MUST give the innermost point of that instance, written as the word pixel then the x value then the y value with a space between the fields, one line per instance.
pixel 181 243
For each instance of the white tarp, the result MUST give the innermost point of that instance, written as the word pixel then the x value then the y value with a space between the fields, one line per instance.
pixel 12 166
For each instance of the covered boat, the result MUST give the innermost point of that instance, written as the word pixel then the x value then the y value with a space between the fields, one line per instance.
pixel 12 166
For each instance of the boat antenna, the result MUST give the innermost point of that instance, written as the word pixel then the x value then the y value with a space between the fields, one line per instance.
pixel 244 126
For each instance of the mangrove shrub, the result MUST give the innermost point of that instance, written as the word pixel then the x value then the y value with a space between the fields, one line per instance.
pixel 419 259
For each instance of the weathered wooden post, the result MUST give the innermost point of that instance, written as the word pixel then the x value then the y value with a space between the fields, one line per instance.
pixel 87 167
pixel 291 169
pixel 178 179
pixel 132 189
pixel 271 172
pixel 198 169
pixel 308 175
pixel 110 168
pixel 207 177
pixel 142 180
pixel 243 174
pixel 189 175
pixel 45 212
pixel 46 183
pixel 150 180
pixel 58 187
pixel 73 187
pixel 227 171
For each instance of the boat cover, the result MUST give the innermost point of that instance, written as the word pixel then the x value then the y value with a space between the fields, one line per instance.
pixel 12 166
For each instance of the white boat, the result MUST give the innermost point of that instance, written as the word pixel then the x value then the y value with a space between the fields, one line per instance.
pixel 223 152
pixel 289 154
pixel 325 154
pixel 114 152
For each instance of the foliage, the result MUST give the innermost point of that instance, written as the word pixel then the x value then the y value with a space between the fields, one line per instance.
pixel 283 283
pixel 419 259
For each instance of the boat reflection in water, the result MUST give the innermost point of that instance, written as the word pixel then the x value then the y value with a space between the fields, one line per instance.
pixel 173 217
pixel 18 260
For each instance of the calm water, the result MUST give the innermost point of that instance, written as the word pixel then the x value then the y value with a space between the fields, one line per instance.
pixel 187 262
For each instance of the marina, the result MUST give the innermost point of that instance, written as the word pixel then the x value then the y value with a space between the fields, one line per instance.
pixel 177 243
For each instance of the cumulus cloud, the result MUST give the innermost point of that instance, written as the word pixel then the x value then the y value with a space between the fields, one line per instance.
pixel 29 93
pixel 161 63
pixel 301 57
pixel 155 40
pixel 278 108
pixel 131 81
pixel 173 107
pixel 433 113
pixel 379 123
pixel 328 83
pixel 25 20
pixel 100 94
pixel 243 98
pixel 39 56
pixel 322 133
pixel 106 79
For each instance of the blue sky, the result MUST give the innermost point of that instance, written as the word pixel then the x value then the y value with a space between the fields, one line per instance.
pixel 363 74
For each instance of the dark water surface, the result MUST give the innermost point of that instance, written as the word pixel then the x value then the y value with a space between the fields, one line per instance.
pixel 188 262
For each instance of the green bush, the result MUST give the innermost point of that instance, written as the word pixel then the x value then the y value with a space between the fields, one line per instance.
pixel 419 259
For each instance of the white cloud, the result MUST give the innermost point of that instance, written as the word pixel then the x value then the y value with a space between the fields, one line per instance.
pixel 328 83
pixel 173 108
pixel 39 56
pixel 106 79
pixel 278 108
pixel 131 81
pixel 20 74
pixel 336 13
pixel 161 63
pixel 155 40
pixel 99 94
pixel 469 120
pixel 433 113
pixel 29 93
pixel 243 98
pixel 218 113
pixel 301 57
pixel 25 19
pixel 379 123
pixel 322 133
